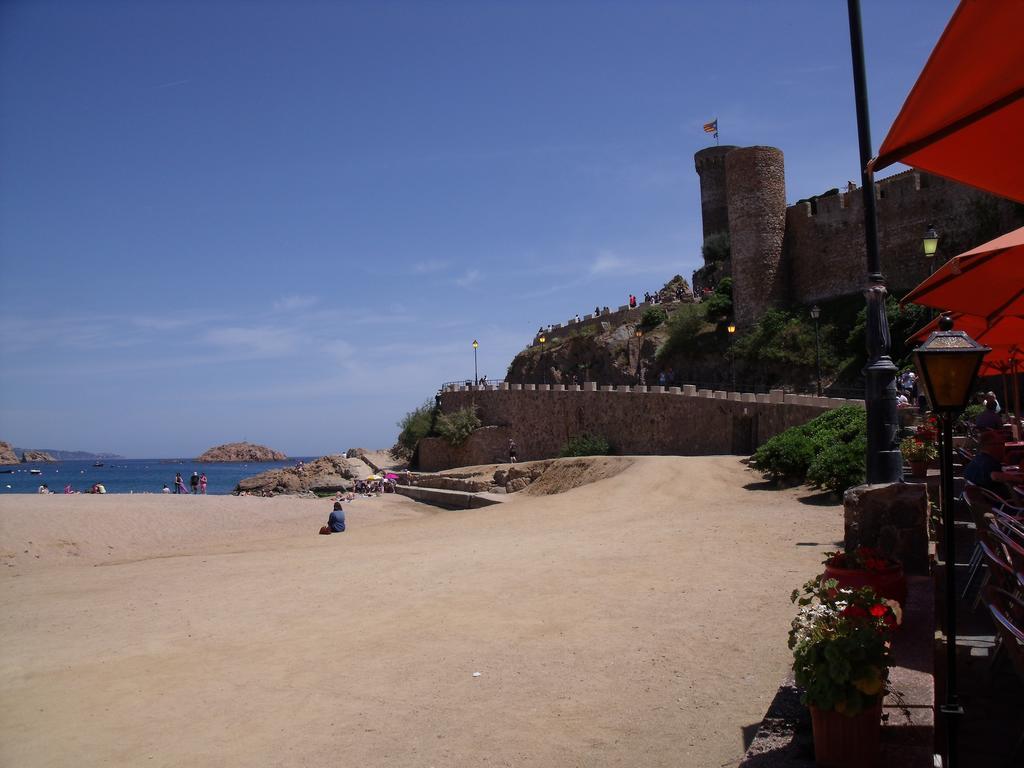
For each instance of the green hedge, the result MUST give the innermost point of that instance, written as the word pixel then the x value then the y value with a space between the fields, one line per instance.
pixel 586 445
pixel 827 452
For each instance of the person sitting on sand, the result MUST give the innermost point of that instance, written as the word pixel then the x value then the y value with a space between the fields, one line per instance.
pixel 165 489
pixel 335 522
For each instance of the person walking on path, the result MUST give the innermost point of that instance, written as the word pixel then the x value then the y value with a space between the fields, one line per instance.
pixel 179 484
pixel 512 451
pixel 202 483
pixel 194 482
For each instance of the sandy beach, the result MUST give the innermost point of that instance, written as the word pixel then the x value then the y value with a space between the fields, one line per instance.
pixel 636 621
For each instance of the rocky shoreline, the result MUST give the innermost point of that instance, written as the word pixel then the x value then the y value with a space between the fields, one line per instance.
pixel 237 452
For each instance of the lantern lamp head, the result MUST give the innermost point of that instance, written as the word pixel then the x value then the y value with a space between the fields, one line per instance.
pixel 475 345
pixel 815 312
pixel 930 241
pixel 731 328
pixel 948 363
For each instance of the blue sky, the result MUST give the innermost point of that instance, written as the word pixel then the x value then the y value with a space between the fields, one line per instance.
pixel 287 221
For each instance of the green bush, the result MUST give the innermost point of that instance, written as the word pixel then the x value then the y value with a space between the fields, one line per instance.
pixel 586 445
pixel 416 424
pixel 684 329
pixel 716 247
pixel 653 317
pixel 719 303
pixel 827 452
pixel 970 413
pixel 456 426
pixel 839 466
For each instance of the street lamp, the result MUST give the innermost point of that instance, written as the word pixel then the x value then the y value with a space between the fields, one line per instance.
pixel 476 376
pixel 638 333
pixel 816 313
pixel 544 374
pixel 948 363
pixel 930 244
pixel 731 328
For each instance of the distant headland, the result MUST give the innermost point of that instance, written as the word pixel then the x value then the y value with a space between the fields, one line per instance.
pixel 10 454
pixel 241 452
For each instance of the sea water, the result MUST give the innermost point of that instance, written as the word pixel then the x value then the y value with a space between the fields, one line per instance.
pixel 131 475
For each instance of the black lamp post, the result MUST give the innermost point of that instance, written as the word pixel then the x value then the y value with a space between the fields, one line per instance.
pixel 816 313
pixel 883 458
pixel 948 364
pixel 930 244
pixel 544 374
pixel 639 334
pixel 476 375
pixel 731 328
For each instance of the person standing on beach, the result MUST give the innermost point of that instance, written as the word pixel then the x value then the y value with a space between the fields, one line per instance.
pixel 179 484
pixel 194 482
pixel 202 483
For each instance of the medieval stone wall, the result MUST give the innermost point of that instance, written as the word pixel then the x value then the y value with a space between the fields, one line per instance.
pixel 824 246
pixel 822 253
pixel 652 422
pixel 714 202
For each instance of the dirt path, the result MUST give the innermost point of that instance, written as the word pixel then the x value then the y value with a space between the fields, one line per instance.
pixel 636 621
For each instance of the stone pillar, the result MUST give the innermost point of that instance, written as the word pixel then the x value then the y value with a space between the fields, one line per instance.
pixel 714 211
pixel 892 517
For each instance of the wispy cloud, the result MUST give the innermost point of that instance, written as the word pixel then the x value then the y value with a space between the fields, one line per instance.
pixel 255 341
pixel 430 266
pixel 172 84
pixel 294 302
pixel 471 277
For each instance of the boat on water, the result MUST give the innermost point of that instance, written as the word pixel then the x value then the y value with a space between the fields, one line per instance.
pixel 6 471
pixel 97 463
pixel 35 471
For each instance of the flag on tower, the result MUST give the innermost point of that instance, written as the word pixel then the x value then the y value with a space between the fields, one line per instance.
pixel 712 127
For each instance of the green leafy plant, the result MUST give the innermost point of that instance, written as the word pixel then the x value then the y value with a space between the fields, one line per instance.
pixel 716 247
pixel 652 318
pixel 915 449
pixel 456 426
pixel 833 443
pixel 586 445
pixel 840 642
pixel 415 425
pixel 839 465
pixel 686 327
pixel 719 303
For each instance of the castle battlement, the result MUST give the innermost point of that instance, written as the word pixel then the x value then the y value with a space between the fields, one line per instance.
pixel 822 255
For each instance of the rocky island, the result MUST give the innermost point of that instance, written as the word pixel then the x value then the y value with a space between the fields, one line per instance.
pixel 241 452
pixel 7 454
pixel 37 456
pixel 323 476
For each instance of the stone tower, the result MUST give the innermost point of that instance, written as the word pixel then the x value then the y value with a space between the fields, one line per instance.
pixel 755 182
pixel 714 209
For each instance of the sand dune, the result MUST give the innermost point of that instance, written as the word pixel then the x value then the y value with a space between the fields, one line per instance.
pixel 635 621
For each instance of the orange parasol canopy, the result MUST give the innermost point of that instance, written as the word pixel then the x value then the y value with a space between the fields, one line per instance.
pixel 964 118
pixel 1005 335
pixel 986 281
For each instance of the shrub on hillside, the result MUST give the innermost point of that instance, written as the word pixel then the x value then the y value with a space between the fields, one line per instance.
pixel 716 247
pixel 833 445
pixel 719 303
pixel 586 445
pixel 456 426
pixel 416 424
pixel 684 329
pixel 653 317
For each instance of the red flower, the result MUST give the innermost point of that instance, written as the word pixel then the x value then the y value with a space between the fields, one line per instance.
pixel 854 611
pixel 878 610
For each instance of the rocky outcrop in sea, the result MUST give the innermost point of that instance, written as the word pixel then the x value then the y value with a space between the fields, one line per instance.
pixel 241 452
pixel 37 456
pixel 323 476
pixel 7 454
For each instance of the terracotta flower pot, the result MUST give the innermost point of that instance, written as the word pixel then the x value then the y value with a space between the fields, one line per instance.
pixel 918 468
pixel 890 582
pixel 847 742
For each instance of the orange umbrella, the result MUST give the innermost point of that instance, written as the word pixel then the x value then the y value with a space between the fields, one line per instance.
pixel 986 281
pixel 964 118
